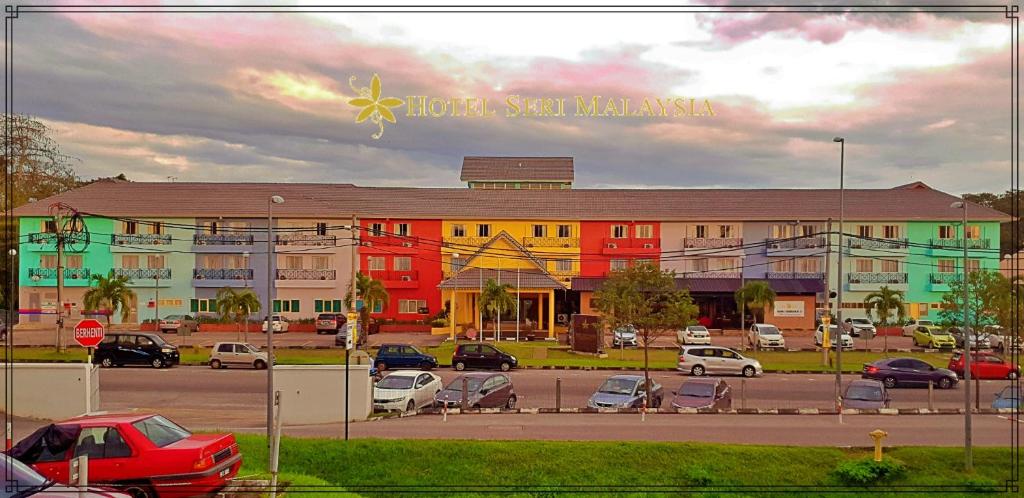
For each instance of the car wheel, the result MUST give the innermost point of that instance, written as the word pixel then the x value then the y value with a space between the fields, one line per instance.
pixel 1012 375
pixel 426 365
pixel 411 407
pixel 215 364
pixel 382 366
pixel 505 367
pixel 657 403
pixel 511 403
pixel 107 362
pixel 697 371
pixel 890 382
pixel 460 366
pixel 138 490
pixel 945 383
pixel 476 406
pixel 749 371
pixel 259 364
pixel 157 363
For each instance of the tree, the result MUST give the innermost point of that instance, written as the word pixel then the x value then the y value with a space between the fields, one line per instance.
pixel 646 298
pixel 882 304
pixel 109 293
pixel 1004 203
pixel 235 306
pixel 989 300
pixel 371 292
pixel 756 295
pixel 497 299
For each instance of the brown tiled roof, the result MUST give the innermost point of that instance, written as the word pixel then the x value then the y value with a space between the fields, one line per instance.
pixel 718 285
pixel 340 201
pixel 470 278
pixel 477 168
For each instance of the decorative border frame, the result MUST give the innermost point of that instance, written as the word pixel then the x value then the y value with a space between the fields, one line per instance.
pixel 1010 12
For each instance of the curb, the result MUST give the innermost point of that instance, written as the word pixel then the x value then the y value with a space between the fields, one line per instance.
pixel 707 411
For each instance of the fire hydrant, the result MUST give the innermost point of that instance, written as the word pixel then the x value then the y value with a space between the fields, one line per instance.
pixel 878 435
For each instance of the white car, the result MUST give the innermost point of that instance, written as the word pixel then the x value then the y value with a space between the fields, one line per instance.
pixel 908 330
pixel 716 360
pixel 1000 340
pixel 819 337
pixel 765 335
pixel 860 327
pixel 406 390
pixel 280 324
pixel 694 334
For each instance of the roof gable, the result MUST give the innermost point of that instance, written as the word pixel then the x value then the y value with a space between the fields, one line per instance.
pixel 526 169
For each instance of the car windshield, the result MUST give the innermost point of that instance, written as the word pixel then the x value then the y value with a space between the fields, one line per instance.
pixel 938 332
pixel 160 431
pixel 1009 392
pixel 617 386
pixel 397 382
pixel 157 339
pixel 924 322
pixel 250 348
pixel 173 317
pixel 26 481
pixel 472 384
pixel 625 331
pixel 769 330
pixel 861 321
pixel 864 393
pixel 697 389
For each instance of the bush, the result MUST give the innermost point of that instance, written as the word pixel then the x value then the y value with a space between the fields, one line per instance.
pixel 439 322
pixel 867 471
pixel 700 476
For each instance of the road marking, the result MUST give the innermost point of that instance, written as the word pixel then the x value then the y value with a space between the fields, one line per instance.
pixel 1011 419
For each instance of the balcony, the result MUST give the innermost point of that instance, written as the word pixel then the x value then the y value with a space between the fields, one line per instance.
pixel 869 243
pixel 321 279
pixel 144 273
pixel 72 276
pixel 396 279
pixel 939 245
pixel 876 280
pixel 711 274
pixel 306 240
pixel 47 241
pixel 222 239
pixel 939 282
pixel 565 242
pixel 139 239
pixel 773 275
pixel 700 245
pixel 644 246
pixel 465 243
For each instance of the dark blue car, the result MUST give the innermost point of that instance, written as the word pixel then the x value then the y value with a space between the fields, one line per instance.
pixel 403 356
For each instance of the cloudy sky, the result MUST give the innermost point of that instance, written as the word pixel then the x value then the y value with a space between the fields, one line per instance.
pixel 264 97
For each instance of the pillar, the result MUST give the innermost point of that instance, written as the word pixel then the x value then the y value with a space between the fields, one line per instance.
pixel 453 296
pixel 551 314
pixel 540 310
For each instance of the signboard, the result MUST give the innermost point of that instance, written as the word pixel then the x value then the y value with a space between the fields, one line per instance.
pixel 350 334
pixel 89 333
pixel 788 309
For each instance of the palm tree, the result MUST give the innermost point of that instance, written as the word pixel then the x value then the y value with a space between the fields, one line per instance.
pixel 235 306
pixel 371 292
pixel 111 293
pixel 883 303
pixel 756 294
pixel 497 299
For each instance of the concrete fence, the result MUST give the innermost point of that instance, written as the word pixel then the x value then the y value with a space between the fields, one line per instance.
pixel 315 394
pixel 50 390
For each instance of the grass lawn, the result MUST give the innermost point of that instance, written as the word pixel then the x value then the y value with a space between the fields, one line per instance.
pixel 368 466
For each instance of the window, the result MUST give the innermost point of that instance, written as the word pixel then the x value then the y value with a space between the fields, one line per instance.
pixel 781 231
pixel 211 261
pixel 286 306
pixel 947 232
pixel 891 231
pixel 155 261
pixel 698 264
pixel 130 227
pixel 327 306
pixel 402 229
pixel 376 229
pixel 540 230
pixel 403 263
pixel 973 232
pixel 321 228
pixel 458 230
pixel 863 265
pixel 946 266
pixel 483 230
pixel 865 231
pixel 321 262
pixel 293 262
pixel 564 231
pixel 808 230
pixel 620 231
pixel 618 264
pixel 203 305
pixel 563 265
pixel 701 231
pixel 236 261
pixel 375 263
pixel 782 265
pixel 101 442
pixel 644 231
pixel 890 266
pixel 49 226
pixel 973 265
pixel 210 227
pixel 458 264
pixel 643 261
pixel 73 261
pixel 160 431
pixel 378 306
pixel 129 261
pixel 48 261
pixel 725 231
pixel 809 265
pixel 411 306
pixel 226 348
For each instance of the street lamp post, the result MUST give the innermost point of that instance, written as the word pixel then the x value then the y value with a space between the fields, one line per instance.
pixel 968 457
pixel 245 287
pixel 839 296
pixel 275 199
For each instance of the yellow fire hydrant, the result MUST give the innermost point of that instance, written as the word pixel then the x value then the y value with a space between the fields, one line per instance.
pixel 878 435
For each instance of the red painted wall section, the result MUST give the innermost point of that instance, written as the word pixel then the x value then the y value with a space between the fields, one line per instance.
pixel 422 247
pixel 596 251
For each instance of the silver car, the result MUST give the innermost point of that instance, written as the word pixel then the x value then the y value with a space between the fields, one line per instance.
pixel 179 323
pixel 716 360
pixel 694 334
pixel 238 354
pixel 624 336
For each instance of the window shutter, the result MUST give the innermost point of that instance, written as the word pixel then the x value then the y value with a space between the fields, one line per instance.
pixel 318 306
pixel 295 305
pixel 277 306
pixel 337 306
pixel 194 305
pixel 213 305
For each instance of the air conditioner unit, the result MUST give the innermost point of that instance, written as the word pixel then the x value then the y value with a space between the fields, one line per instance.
pixel 367 243
pixel 406 278
pixel 612 245
pixel 648 246
pixel 406 244
pixel 562 318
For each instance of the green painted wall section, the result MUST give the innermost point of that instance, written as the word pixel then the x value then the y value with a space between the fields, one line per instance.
pixel 922 261
pixel 96 256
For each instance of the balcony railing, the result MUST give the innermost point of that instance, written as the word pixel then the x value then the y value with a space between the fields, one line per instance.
pixel 551 242
pixel 222 273
pixel 285 274
pixel 944 278
pixel 222 239
pixel 138 239
pixel 306 239
pixel 877 278
pixel 51 238
pixel 466 242
pixel 859 243
pixel 772 275
pixel 711 274
pixel 709 243
pixel 51 273
pixel 407 275
pixel 628 243
pixel 958 243
pixel 796 243
pixel 143 273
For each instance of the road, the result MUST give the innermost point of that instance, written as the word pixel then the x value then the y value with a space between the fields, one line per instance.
pixel 201 397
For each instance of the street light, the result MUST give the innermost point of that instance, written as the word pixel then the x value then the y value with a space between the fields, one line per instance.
pixel 274 199
pixel 839 296
pixel 968 457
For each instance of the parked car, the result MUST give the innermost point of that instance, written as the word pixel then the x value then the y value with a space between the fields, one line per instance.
pixel 406 390
pixel 133 348
pixel 179 324
pixel 911 326
pixel 860 327
pixel 1007 398
pixel 483 390
pixel 341 337
pixel 145 455
pixel 984 366
pixel 703 393
pixel 3 330
pixel 894 372
pixel 23 481
pixel 330 323
pixel 833 331
pixel 933 337
pixel 626 391
pixel 403 356
pixel 225 354
pixel 280 324
pixel 624 336
pixel 482 356
pixel 766 336
pixel 1002 341
pixel 866 394
pixel 978 340
pixel 694 334
pixel 716 360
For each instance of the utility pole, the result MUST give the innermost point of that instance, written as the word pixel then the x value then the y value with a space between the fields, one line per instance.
pixel 59 221
pixel 156 302
pixel 355 271
pixel 839 298
pixel 826 319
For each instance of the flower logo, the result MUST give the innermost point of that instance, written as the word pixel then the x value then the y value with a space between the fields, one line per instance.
pixel 372 106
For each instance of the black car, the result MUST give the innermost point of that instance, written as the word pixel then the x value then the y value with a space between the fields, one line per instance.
pixel 900 372
pixel 123 348
pixel 482 356
pixel 403 356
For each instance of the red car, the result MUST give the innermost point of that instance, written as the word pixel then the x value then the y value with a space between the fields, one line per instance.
pixel 984 366
pixel 142 455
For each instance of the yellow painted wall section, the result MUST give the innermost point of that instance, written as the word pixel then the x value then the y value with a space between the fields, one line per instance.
pixel 543 248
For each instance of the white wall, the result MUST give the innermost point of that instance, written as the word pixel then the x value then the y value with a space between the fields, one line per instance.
pixel 314 394
pixel 49 390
